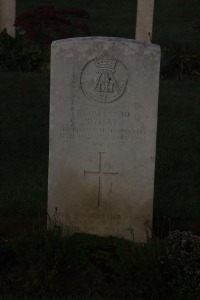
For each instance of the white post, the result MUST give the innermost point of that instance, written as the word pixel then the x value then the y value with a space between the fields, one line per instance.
pixel 144 22
pixel 7 16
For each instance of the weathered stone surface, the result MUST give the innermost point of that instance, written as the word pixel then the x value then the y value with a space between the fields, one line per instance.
pixel 144 21
pixel 7 16
pixel 103 120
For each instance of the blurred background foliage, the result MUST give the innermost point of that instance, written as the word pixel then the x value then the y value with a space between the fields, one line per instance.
pixel 38 23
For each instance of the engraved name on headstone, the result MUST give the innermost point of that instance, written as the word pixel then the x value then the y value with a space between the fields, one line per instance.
pixel 103 120
pixel 144 20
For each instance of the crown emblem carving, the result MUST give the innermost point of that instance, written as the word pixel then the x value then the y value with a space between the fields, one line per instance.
pixel 104 79
pixel 105 62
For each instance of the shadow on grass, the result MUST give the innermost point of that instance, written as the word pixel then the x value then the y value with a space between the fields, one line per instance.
pixel 46 264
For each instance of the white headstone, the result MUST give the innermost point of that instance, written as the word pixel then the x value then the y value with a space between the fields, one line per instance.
pixel 103 120
pixel 144 21
pixel 7 16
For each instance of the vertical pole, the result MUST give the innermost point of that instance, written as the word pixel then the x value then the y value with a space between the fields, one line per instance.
pixel 7 16
pixel 144 21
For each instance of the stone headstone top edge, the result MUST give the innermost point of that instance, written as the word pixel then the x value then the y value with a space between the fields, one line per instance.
pixel 105 39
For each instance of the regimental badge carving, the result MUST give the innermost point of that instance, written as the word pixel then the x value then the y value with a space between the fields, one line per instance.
pixel 104 79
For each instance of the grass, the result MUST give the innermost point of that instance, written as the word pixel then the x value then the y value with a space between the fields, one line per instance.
pixel 46 264
pixel 24 151
pixel 178 146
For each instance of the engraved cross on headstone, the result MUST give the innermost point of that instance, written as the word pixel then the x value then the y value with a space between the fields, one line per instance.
pixel 100 174
pixel 144 22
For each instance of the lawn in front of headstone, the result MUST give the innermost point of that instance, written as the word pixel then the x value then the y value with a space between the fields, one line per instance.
pixel 45 264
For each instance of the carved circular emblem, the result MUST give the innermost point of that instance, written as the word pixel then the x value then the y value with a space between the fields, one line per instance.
pixel 104 79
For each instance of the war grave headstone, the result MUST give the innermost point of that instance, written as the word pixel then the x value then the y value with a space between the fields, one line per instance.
pixel 103 120
pixel 144 20
pixel 7 16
